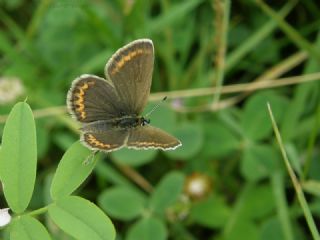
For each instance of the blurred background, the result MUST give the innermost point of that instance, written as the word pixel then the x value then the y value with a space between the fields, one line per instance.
pixel 219 63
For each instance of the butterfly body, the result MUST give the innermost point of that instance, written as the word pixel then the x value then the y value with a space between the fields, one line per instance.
pixel 122 123
pixel 110 109
pixel 131 122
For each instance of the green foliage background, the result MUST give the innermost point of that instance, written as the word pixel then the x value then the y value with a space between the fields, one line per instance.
pixel 47 44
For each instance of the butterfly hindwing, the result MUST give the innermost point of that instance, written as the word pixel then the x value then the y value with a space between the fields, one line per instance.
pixel 130 70
pixel 148 137
pixel 107 141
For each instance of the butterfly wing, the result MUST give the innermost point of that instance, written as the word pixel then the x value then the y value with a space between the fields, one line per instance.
pixel 130 70
pixel 107 141
pixel 91 98
pixel 148 137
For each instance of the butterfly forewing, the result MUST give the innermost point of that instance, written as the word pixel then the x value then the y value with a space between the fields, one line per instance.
pixel 145 137
pixel 91 98
pixel 130 69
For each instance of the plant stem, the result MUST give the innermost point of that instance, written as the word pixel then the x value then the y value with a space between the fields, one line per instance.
pixel 302 200
pixel 222 8
pixel 38 211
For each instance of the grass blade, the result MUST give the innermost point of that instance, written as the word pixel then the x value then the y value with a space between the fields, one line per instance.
pixel 302 200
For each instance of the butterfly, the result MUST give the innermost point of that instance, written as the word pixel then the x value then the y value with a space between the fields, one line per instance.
pixel 110 109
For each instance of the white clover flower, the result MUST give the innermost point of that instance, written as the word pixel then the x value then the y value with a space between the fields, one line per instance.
pixel 197 186
pixel 10 89
pixel 5 217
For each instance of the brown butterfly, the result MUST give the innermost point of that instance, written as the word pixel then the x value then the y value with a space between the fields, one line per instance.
pixel 110 109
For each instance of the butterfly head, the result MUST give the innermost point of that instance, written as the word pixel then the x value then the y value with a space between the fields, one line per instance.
pixel 145 121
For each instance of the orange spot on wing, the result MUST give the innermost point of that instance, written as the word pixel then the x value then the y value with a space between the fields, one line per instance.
pixel 79 103
pixel 127 58
pixel 93 141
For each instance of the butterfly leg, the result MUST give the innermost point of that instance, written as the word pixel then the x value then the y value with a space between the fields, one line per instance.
pixel 90 158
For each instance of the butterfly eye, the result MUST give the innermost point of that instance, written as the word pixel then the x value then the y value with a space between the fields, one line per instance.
pixel 145 122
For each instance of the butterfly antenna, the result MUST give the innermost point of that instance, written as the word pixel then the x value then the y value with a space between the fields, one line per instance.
pixel 156 106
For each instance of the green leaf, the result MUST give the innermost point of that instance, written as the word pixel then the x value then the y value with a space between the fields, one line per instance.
pixel 18 159
pixel 134 157
pixel 28 228
pixel 115 202
pixel 271 229
pixel 255 121
pixel 146 229
pixel 258 203
pixel 81 219
pixel 243 230
pixel 219 140
pixel 164 117
pixel 268 51
pixel 71 171
pixel 212 212
pixel 167 192
pixel 258 162
pixel 191 137
pixel 107 173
